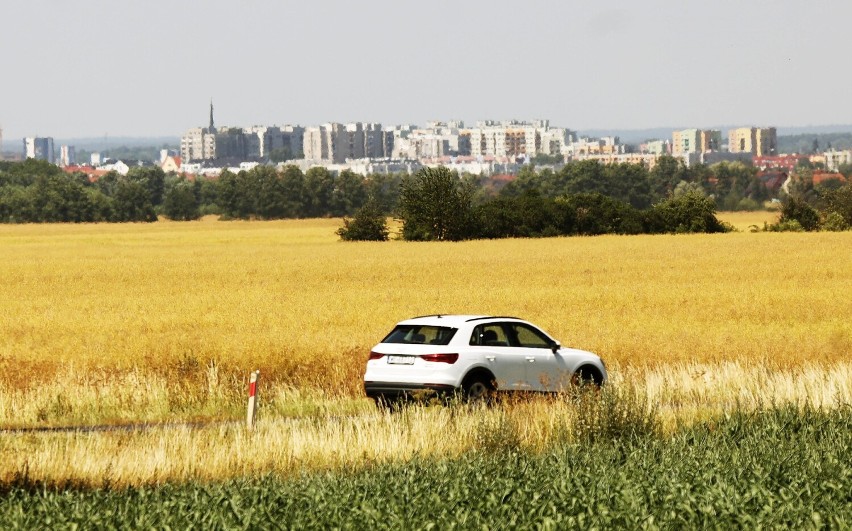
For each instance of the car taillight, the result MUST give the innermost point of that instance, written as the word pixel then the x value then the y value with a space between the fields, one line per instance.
pixel 441 358
pixel 375 356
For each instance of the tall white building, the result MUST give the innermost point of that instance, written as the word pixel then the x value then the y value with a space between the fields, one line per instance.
pixel 39 148
pixel 67 156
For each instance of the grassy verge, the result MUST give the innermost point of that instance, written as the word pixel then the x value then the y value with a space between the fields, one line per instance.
pixel 781 467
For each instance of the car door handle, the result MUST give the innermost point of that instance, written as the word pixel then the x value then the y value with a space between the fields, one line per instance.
pixel 531 359
pixel 491 358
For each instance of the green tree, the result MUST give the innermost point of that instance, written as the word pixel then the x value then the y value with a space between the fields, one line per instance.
pixel 295 194
pixel 153 178
pixel 384 189
pixel 690 211
pixel 180 202
pixel 269 196
pixel 667 172
pixel 435 205
pixel 795 208
pixel 349 193
pixel 369 224
pixel 319 184
pixel 132 202
pixel 233 197
pixel 839 201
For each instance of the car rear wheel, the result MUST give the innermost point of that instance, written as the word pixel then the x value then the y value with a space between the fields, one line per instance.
pixel 477 389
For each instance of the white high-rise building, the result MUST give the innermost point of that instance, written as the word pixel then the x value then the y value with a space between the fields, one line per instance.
pixel 39 148
pixel 67 156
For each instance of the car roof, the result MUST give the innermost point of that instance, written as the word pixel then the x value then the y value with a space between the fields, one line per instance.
pixel 454 321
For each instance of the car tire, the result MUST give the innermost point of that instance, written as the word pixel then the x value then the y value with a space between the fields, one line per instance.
pixel 586 377
pixel 477 389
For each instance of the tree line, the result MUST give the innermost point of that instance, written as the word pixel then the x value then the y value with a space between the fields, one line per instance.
pixel 583 197
pixel 38 192
pixel 434 204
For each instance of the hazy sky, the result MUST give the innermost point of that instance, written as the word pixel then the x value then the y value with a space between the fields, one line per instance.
pixel 144 68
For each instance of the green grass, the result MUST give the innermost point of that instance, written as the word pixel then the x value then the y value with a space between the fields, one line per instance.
pixel 779 468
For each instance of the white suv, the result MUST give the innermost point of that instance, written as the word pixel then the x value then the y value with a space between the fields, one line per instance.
pixel 476 355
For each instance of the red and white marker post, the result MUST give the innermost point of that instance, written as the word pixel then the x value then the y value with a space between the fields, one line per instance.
pixel 252 400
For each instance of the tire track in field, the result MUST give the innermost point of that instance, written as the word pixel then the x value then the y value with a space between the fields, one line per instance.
pixel 143 426
pixel 146 426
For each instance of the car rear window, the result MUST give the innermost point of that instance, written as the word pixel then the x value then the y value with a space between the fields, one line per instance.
pixel 419 334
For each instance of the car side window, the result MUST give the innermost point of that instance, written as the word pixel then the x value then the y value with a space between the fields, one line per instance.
pixel 489 335
pixel 529 337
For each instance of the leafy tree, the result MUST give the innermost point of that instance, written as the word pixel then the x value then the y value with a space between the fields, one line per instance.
pixel 384 189
pixel 666 173
pixel 181 202
pixel 295 193
pixel 208 196
pixel 541 158
pixel 349 193
pixel 596 213
pixel 132 202
pixel 319 184
pixel 834 222
pixel 795 208
pixel 691 211
pixel 269 196
pixel 435 205
pixel 839 201
pixel 236 196
pixel 369 224
pixel 16 205
pixel 153 178
pixel 529 215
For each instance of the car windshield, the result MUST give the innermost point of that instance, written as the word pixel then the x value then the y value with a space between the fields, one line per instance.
pixel 419 334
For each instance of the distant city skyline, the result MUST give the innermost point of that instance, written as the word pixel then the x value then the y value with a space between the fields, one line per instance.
pixel 90 68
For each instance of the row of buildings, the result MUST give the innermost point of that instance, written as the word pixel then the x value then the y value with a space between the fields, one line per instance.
pixel 336 143
pixel 487 147
pixel 509 142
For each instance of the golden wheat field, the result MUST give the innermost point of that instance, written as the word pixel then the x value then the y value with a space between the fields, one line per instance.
pixel 130 323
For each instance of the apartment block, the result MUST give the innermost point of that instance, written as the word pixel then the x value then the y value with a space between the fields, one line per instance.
pixel 67 156
pixel 263 140
pixel 834 159
pixel 759 142
pixel 695 141
pixel 515 139
pixel 608 145
pixel 656 147
pixel 39 148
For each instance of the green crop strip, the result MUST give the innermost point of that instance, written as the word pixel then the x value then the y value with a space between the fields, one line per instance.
pixel 783 467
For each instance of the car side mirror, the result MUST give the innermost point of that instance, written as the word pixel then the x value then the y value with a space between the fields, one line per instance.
pixel 554 346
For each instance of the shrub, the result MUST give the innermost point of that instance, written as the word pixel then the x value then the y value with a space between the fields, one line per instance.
pixel 691 211
pixel 369 224
pixel 797 209
pixel 834 222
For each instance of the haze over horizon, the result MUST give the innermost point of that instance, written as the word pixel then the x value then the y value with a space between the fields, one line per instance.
pixel 92 68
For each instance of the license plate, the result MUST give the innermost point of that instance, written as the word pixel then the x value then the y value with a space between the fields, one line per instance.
pixel 401 360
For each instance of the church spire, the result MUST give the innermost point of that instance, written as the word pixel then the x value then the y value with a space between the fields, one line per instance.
pixel 211 114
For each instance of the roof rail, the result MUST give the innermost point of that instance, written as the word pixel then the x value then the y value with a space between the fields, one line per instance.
pixel 494 317
pixel 439 315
